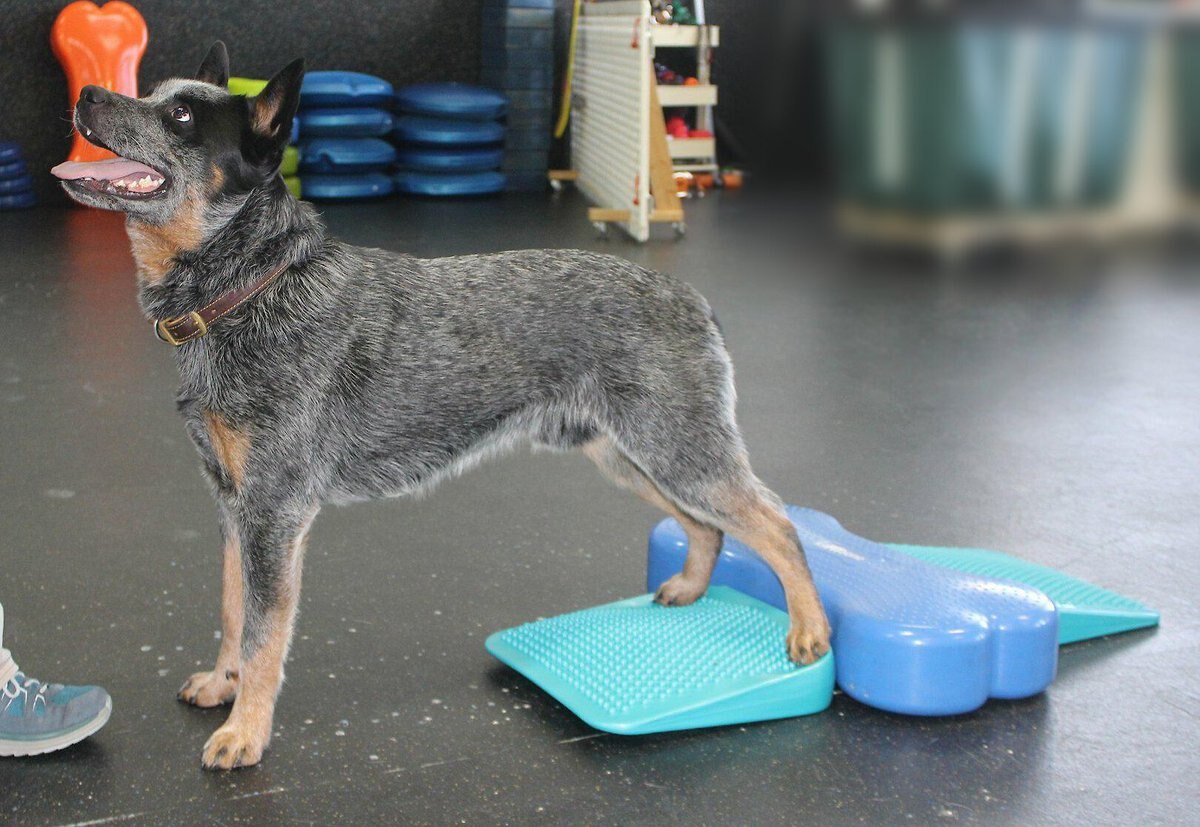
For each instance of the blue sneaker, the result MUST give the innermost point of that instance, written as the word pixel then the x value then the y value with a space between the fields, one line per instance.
pixel 38 717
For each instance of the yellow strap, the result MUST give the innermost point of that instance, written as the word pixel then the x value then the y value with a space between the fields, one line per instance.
pixel 564 114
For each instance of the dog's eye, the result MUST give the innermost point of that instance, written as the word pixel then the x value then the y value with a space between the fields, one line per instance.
pixel 181 113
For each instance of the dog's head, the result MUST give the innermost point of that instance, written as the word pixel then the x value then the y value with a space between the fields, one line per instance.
pixel 185 145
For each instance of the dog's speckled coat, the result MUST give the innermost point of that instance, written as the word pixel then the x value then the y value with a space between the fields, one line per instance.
pixel 361 373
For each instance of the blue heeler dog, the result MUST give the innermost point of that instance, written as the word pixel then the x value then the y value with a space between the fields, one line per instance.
pixel 313 371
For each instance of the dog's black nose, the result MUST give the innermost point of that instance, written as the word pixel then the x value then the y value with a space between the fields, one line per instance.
pixel 92 94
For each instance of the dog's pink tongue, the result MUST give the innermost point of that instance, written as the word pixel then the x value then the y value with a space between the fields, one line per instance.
pixel 109 170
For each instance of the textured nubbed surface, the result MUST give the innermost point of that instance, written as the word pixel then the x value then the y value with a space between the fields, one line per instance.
pixel 635 666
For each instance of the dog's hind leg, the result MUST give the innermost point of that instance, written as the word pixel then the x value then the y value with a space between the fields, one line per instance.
pixel 272 555
pixel 692 450
pixel 220 685
pixel 704 541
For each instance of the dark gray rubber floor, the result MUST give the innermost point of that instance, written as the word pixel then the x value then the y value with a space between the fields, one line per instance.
pixel 1053 414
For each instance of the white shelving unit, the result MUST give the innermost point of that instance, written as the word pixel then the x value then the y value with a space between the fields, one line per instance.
pixel 691 154
pixel 622 158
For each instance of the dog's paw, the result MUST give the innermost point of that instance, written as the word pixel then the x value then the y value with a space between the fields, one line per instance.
pixel 806 644
pixel 231 747
pixel 680 591
pixel 208 689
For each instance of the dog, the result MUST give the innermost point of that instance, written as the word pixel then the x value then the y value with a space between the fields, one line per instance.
pixel 314 372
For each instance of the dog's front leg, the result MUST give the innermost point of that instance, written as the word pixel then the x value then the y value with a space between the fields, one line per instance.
pixel 272 550
pixel 220 685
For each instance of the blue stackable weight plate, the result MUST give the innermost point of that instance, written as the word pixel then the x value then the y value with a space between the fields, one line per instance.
pixel 634 667
pixel 518 77
pixel 444 131
pixel 336 187
pixel 449 184
pixel 908 636
pixel 9 151
pixel 295 131
pixel 337 88
pixel 495 17
pixel 12 169
pixel 345 155
pixel 524 58
pixel 422 159
pixel 9 186
pixel 348 122
pixel 17 201
pixel 526 181
pixel 522 139
pixel 451 100
pixel 512 37
pixel 519 4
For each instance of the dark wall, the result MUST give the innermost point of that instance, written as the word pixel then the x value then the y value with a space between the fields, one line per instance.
pixel 767 119
pixel 404 41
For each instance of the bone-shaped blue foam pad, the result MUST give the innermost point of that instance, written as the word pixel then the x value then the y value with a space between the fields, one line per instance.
pixel 908 636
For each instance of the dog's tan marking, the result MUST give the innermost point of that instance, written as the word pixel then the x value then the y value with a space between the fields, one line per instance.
pixel 240 742
pixel 231 446
pixel 766 529
pixel 218 180
pixel 220 686
pixel 704 541
pixel 156 247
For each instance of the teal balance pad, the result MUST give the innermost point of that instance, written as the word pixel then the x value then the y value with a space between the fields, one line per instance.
pixel 1084 611
pixel 634 667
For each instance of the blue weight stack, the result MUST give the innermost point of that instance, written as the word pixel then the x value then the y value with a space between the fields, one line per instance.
pixel 518 59
pixel 342 119
pixel 16 185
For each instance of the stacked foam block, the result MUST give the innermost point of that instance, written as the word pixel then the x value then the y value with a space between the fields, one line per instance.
pixel 450 140
pixel 250 87
pixel 518 60
pixel 16 185
pixel 343 119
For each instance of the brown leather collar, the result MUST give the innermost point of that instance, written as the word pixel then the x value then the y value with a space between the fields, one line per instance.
pixel 183 329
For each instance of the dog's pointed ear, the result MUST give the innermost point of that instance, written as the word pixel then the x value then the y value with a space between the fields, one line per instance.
pixel 215 68
pixel 271 113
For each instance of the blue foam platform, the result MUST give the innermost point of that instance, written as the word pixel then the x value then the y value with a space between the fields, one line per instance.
pixel 418 129
pixel 18 201
pixel 345 155
pixel 634 667
pixel 22 183
pixel 1085 611
pixel 451 100
pixel 343 187
pixel 908 636
pixel 337 88
pixel 449 159
pixel 349 122
pixel 449 184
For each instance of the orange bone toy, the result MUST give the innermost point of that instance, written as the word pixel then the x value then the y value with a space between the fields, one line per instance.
pixel 101 46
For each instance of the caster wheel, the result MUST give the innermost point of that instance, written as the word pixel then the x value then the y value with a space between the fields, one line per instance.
pixel 680 229
pixel 601 228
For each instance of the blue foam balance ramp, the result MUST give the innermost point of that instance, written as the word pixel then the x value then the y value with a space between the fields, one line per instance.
pixel 449 159
pixel 1085 611
pixel 450 184
pixel 345 155
pixel 337 88
pixel 418 129
pixel 451 100
pixel 346 187
pixel 634 667
pixel 908 636
pixel 349 122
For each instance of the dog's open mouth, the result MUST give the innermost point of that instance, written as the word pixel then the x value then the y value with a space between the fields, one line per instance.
pixel 117 176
